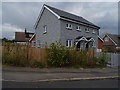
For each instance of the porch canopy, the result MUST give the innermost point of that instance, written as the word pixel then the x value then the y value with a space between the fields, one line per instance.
pixel 84 42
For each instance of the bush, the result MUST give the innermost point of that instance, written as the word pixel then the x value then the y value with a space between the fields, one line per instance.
pixel 102 60
pixel 60 56
pixel 57 55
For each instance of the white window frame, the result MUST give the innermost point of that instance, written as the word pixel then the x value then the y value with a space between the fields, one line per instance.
pixel 87 30
pixel 69 43
pixel 78 28
pixel 93 31
pixel 69 26
pixel 45 29
pixel 33 43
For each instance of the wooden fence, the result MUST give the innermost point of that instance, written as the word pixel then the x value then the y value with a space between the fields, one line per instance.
pixel 25 53
pixel 37 54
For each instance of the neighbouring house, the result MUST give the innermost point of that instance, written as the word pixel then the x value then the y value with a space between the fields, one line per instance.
pixel 71 30
pixel 111 41
pixel 22 37
pixel 100 43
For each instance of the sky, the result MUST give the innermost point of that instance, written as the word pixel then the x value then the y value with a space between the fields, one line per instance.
pixel 16 16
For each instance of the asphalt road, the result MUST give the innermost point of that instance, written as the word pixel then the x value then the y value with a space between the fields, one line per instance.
pixel 113 83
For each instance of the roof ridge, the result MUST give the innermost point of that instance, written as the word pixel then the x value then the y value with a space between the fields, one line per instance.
pixel 63 11
pixel 77 16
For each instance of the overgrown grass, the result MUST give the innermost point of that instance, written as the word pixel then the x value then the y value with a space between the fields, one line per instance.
pixel 18 56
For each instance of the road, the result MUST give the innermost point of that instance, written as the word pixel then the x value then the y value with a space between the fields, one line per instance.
pixel 108 83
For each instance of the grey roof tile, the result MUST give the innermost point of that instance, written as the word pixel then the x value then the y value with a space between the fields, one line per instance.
pixel 67 15
pixel 115 38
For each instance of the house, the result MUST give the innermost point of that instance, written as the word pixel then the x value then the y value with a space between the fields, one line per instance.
pixel 111 41
pixel 57 25
pixel 100 43
pixel 22 37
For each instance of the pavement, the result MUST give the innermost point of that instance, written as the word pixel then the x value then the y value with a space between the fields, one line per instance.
pixel 26 74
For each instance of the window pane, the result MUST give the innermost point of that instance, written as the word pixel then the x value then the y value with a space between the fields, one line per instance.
pixel 67 43
pixel 67 25
pixel 77 27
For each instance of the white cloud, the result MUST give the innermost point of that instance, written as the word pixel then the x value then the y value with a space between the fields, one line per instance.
pixel 20 15
pixel 8 27
pixel 9 30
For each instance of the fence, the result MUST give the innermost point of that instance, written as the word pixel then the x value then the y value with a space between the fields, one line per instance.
pixel 22 53
pixel 113 60
pixel 37 54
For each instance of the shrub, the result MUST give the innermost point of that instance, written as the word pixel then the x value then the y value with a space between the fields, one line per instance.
pixel 102 60
pixel 57 55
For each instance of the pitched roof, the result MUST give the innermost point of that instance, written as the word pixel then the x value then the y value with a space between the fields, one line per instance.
pixel 100 38
pixel 33 36
pixel 71 16
pixel 63 14
pixel 22 36
pixel 115 38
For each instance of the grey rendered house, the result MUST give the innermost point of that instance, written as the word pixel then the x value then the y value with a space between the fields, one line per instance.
pixel 53 25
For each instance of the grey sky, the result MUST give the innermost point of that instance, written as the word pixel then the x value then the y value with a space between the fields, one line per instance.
pixel 19 15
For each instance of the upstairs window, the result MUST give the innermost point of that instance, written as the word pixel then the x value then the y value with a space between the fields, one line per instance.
pixel 45 29
pixel 69 43
pixel 93 32
pixel 106 39
pixel 68 26
pixel 78 28
pixel 87 30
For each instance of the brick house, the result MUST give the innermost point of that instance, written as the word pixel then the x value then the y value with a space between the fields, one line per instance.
pixel 22 37
pixel 100 43
pixel 111 41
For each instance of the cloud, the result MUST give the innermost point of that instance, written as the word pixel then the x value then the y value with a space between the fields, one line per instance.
pixel 9 30
pixel 24 14
pixel 102 14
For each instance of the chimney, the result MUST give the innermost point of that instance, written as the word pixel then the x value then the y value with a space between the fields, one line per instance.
pixel 25 30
